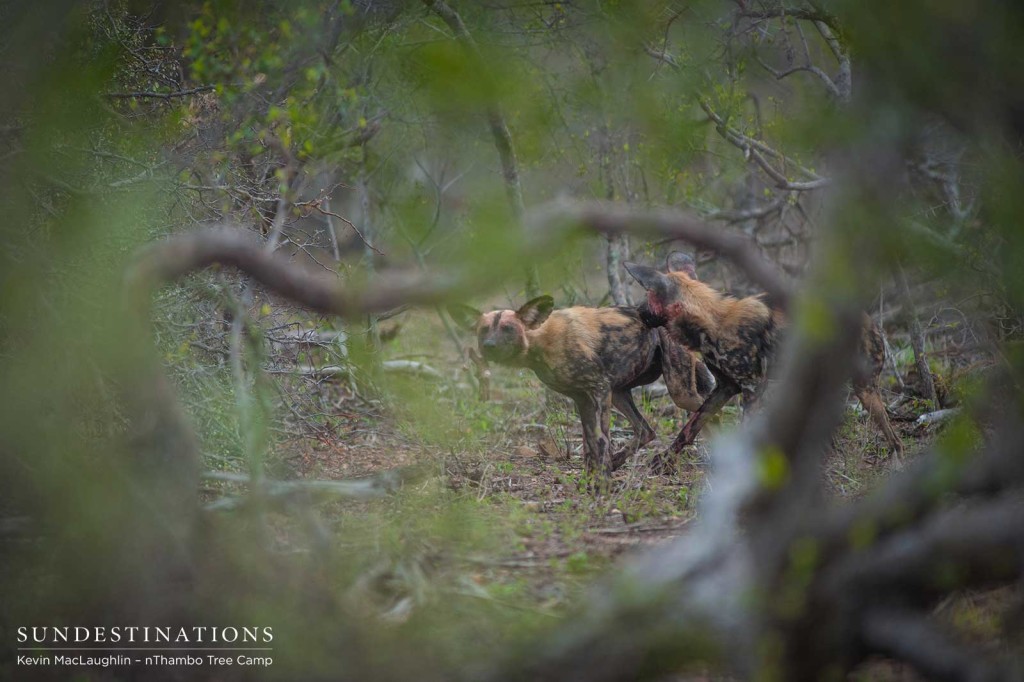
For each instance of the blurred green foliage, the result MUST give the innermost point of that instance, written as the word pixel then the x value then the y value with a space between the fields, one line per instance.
pixel 378 96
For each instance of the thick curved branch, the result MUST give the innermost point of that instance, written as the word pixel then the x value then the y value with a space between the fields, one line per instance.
pixel 970 546
pixel 612 218
pixel 844 78
pixel 802 13
pixel 908 636
pixel 923 486
pixel 172 258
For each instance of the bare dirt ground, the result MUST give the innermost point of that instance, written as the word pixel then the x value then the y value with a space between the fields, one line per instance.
pixel 497 509
pixel 521 453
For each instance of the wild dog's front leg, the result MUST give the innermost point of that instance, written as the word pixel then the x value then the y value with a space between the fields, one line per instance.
pixel 595 415
pixel 723 393
pixel 622 400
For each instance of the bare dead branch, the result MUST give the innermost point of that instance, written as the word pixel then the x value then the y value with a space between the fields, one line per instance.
pixel 757 150
pixel 317 205
pixel 389 366
pixel 936 417
pixel 808 67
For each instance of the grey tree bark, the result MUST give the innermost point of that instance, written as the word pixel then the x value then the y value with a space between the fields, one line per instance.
pixel 497 123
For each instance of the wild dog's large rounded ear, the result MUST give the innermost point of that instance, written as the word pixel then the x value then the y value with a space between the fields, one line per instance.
pixel 463 315
pixel 650 279
pixel 535 311
pixel 677 261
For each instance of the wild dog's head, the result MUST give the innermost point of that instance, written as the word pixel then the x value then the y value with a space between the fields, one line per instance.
pixel 664 289
pixel 501 334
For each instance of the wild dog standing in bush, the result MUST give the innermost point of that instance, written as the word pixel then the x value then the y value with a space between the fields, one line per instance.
pixel 737 339
pixel 595 356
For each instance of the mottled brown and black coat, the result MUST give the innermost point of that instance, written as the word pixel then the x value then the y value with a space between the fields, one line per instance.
pixel 736 339
pixel 595 356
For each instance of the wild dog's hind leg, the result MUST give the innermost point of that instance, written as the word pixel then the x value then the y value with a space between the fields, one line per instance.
pixel 723 393
pixel 686 377
pixel 622 400
pixel 871 399
pixel 750 402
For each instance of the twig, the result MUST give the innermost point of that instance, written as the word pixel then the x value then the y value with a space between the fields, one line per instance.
pixel 810 68
pixel 316 205
pixel 755 149
pixel 161 95
pixel 373 486
pixel 739 216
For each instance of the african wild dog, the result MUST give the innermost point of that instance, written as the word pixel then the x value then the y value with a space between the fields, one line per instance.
pixel 737 339
pixel 595 356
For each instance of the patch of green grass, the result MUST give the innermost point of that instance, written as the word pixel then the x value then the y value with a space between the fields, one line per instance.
pixel 505 468
pixel 579 563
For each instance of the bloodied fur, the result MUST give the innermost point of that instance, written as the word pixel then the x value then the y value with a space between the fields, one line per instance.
pixel 595 356
pixel 737 339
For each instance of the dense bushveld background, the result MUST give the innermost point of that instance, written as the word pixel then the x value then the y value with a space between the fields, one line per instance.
pixel 183 442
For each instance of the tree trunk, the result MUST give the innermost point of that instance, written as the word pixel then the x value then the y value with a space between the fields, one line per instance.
pixel 369 236
pixel 496 121
pixel 615 247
